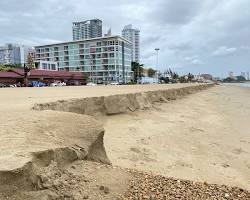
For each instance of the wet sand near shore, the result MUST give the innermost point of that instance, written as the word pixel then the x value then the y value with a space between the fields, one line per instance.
pixel 201 137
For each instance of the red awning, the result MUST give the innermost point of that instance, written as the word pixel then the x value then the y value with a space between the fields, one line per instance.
pixel 34 73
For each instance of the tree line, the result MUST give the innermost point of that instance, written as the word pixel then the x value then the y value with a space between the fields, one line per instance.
pixel 166 77
pixel 7 67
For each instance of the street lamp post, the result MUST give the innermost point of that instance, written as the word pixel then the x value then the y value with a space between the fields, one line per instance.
pixel 157 60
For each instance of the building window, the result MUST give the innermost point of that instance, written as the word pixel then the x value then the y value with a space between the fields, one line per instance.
pixel 53 67
pixel 44 66
pixel 111 49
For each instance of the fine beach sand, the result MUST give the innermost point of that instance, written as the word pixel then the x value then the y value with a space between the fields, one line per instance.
pixel 201 137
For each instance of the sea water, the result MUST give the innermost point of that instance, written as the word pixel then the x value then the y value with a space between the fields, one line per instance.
pixel 247 84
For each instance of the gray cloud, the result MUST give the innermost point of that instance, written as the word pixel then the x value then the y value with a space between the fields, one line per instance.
pixel 176 12
pixel 224 51
pixel 199 36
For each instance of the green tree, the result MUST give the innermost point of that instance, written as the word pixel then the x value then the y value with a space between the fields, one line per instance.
pixel 228 80
pixel 183 79
pixel 240 78
pixel 137 68
pixel 151 72
pixel 234 80
pixel 175 76
pixel 6 67
pixel 190 77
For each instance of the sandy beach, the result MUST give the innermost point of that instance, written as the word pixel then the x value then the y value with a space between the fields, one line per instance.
pixel 202 137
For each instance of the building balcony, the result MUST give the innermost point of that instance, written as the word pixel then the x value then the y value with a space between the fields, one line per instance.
pixel 104 55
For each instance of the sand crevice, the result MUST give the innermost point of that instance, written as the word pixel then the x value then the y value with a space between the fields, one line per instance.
pixel 117 104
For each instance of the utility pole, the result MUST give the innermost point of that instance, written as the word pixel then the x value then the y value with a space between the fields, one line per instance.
pixel 157 60
pixel 138 73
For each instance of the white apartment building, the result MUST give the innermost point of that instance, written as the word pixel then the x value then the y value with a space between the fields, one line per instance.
pixel 103 60
pixel 133 35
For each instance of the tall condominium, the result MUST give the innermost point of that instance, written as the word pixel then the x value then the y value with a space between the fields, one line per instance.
pixel 133 35
pixel 87 29
pixel 103 60
pixel 10 54
pixel 14 54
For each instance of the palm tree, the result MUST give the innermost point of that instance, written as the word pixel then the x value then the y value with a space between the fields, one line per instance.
pixel 137 68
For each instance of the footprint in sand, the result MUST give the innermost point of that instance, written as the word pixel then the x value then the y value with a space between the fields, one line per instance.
pixel 183 164
pixel 225 165
pixel 248 165
pixel 194 129
pixel 142 155
pixel 144 141
pixel 132 129
pixel 244 141
pixel 238 151
pixel 136 150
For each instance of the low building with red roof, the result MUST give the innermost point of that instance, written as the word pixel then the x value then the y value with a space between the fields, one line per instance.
pixel 15 76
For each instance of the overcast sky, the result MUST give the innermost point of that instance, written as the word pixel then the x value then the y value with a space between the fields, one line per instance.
pixel 193 35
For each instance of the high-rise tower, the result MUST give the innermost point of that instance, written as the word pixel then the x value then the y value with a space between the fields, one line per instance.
pixel 133 35
pixel 87 29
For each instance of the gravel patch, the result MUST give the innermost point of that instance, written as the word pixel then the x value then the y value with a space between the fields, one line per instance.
pixel 146 186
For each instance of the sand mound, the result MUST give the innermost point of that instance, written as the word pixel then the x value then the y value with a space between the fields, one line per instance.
pixel 44 138
pixel 116 104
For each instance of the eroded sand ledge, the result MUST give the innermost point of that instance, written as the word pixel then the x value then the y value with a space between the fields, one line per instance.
pixel 33 143
pixel 117 104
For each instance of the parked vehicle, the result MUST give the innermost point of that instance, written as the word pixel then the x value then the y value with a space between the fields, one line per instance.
pixel 114 83
pixel 37 84
pixel 2 85
pixel 58 83
pixel 91 84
